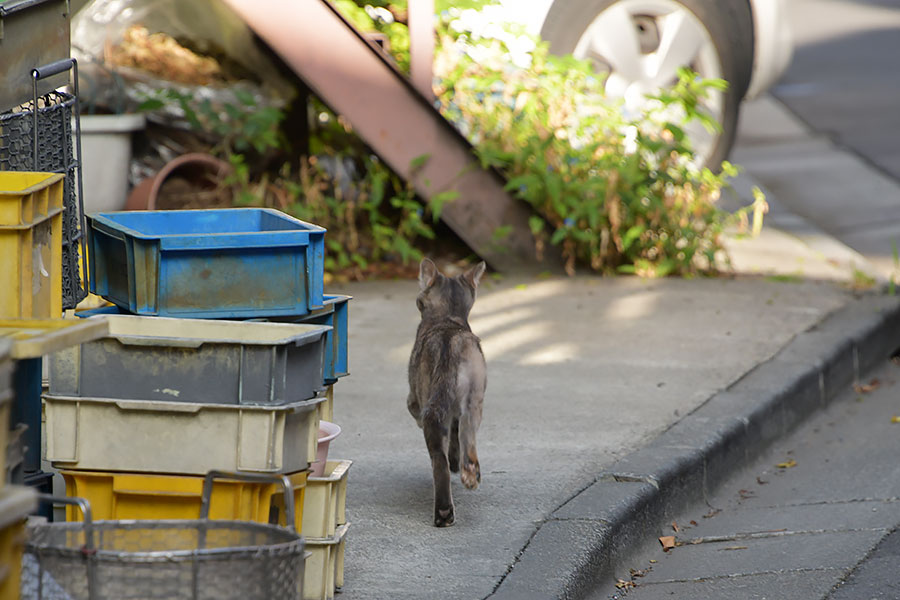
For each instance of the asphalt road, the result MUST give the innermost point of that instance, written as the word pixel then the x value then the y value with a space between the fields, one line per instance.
pixel 844 86
pixel 812 518
pixel 844 80
pixel 826 524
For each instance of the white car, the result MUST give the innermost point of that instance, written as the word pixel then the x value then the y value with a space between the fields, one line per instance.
pixel 641 44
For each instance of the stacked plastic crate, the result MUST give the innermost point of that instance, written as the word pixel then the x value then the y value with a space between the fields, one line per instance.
pixel 31 215
pixel 15 502
pixel 222 354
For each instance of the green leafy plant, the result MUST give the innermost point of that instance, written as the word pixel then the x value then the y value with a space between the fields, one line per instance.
pixel 616 193
pixel 372 215
pixel 238 127
pixel 389 18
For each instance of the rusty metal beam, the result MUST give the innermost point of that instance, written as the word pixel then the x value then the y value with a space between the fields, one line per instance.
pixel 357 80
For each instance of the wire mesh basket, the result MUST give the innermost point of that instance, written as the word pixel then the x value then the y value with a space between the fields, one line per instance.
pixel 145 560
pixel 54 154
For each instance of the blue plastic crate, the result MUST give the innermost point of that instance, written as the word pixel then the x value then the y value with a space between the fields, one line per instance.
pixel 336 314
pixel 222 263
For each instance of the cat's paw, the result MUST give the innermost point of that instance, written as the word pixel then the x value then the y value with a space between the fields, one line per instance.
pixel 443 517
pixel 471 475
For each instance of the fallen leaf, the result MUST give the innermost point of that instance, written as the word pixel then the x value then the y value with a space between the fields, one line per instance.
pixel 522 286
pixel 865 388
pixel 624 585
pixel 653 560
pixel 787 464
pixel 713 512
pixel 733 548
pixel 694 523
pixel 895 419
pixel 668 542
pixel 675 526
pixel 761 481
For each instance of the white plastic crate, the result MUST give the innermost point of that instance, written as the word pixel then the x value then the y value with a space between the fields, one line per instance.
pixel 101 434
pixel 325 500
pixel 325 565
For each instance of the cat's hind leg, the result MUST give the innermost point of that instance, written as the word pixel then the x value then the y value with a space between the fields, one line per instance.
pixel 436 439
pixel 469 421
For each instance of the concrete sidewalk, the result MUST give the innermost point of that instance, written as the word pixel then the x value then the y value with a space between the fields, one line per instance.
pixel 611 403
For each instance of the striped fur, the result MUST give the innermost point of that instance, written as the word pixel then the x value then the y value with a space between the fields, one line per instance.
pixel 447 379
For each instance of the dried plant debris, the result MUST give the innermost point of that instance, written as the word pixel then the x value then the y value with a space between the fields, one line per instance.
pixel 712 512
pixel 624 585
pixel 161 55
pixel 668 542
pixel 865 388
pixel 635 573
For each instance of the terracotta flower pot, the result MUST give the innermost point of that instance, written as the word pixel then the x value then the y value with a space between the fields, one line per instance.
pixel 145 195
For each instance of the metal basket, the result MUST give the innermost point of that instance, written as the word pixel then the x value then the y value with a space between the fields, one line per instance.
pixel 48 146
pixel 144 560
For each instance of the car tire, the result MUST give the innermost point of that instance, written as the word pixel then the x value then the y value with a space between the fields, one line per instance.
pixel 729 24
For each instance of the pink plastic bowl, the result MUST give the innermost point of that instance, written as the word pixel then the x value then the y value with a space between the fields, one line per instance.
pixel 327 432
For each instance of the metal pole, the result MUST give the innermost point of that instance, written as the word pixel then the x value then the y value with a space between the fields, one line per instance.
pixel 43 72
pixel 421 45
pixel 78 159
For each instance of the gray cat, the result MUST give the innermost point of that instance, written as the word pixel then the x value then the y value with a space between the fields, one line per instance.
pixel 447 378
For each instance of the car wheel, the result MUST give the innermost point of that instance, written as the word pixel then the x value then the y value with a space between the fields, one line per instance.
pixel 641 44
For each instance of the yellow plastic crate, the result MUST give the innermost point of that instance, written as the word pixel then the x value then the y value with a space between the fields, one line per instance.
pixel 298 483
pixel 28 197
pixel 5 408
pixel 30 245
pixel 158 497
pixel 12 545
pixel 15 504
pixel 324 572
pixel 325 502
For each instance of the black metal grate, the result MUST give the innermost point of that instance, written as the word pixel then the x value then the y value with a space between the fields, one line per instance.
pixel 55 154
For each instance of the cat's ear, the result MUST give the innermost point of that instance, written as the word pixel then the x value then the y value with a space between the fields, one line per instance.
pixel 427 273
pixel 473 275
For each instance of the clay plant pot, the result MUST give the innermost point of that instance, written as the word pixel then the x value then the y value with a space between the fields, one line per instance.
pixel 145 196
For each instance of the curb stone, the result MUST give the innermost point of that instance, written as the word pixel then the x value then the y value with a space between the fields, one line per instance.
pixel 592 535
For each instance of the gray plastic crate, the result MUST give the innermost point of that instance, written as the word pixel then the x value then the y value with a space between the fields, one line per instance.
pixel 194 360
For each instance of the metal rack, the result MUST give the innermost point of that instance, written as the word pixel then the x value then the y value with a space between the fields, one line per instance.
pixel 188 559
pixel 38 136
